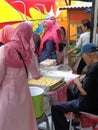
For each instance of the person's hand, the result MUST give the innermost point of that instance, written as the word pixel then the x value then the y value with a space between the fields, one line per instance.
pixel 68 52
pixel 82 77
pixel 79 86
pixel 77 81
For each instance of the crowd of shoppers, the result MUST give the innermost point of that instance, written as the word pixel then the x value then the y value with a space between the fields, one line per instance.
pixel 20 51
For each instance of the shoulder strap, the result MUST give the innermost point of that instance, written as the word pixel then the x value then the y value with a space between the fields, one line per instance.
pixel 23 61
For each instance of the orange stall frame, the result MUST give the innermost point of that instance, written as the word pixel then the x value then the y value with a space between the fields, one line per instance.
pixel 75 14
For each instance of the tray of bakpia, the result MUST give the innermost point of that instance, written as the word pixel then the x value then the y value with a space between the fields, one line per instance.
pixel 48 83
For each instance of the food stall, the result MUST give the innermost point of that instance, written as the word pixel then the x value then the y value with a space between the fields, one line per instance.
pixel 75 14
pixel 54 81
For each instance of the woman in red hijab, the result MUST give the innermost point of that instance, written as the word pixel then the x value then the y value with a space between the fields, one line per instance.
pixel 49 42
pixel 6 33
pixel 16 111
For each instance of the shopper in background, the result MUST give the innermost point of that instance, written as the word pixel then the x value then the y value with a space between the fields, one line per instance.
pixel 57 28
pixel 61 53
pixel 49 43
pixel 6 33
pixel 37 41
pixel 63 34
pixel 88 97
pixel 15 64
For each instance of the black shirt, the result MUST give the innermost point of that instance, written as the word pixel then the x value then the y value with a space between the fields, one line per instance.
pixel 90 85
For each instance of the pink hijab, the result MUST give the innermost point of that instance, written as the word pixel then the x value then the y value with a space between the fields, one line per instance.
pixel 21 41
pixel 57 28
pixel 6 33
pixel 50 34
pixel 56 25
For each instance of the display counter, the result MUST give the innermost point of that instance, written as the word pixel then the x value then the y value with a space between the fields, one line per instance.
pixel 65 77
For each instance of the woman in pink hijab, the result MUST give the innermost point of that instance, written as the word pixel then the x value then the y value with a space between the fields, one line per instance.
pixel 57 28
pixel 16 111
pixel 49 43
pixel 6 33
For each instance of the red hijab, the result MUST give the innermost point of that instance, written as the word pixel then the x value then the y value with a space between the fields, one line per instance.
pixel 6 33
pixel 21 41
pixel 50 34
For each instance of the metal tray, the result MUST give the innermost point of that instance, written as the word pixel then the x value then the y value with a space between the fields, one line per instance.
pixel 59 80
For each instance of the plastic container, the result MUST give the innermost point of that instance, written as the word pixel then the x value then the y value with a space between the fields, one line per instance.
pixel 37 94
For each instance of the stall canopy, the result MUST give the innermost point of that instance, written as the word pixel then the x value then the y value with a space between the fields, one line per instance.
pixel 15 11
pixel 77 12
pixel 78 5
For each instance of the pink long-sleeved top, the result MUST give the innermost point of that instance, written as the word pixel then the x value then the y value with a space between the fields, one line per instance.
pixel 16 108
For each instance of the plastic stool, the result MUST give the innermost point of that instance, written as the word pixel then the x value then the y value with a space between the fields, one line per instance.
pixel 89 121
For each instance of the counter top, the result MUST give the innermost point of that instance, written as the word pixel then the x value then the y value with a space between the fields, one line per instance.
pixel 59 71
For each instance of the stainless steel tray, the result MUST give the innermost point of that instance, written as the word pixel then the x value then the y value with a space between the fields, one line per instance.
pixel 59 80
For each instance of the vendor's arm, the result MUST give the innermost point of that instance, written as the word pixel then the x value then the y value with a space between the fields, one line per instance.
pixel 79 86
pixel 75 48
pixel 78 45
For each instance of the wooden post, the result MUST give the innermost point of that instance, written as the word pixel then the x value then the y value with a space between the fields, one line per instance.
pixel 68 34
pixel 94 21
